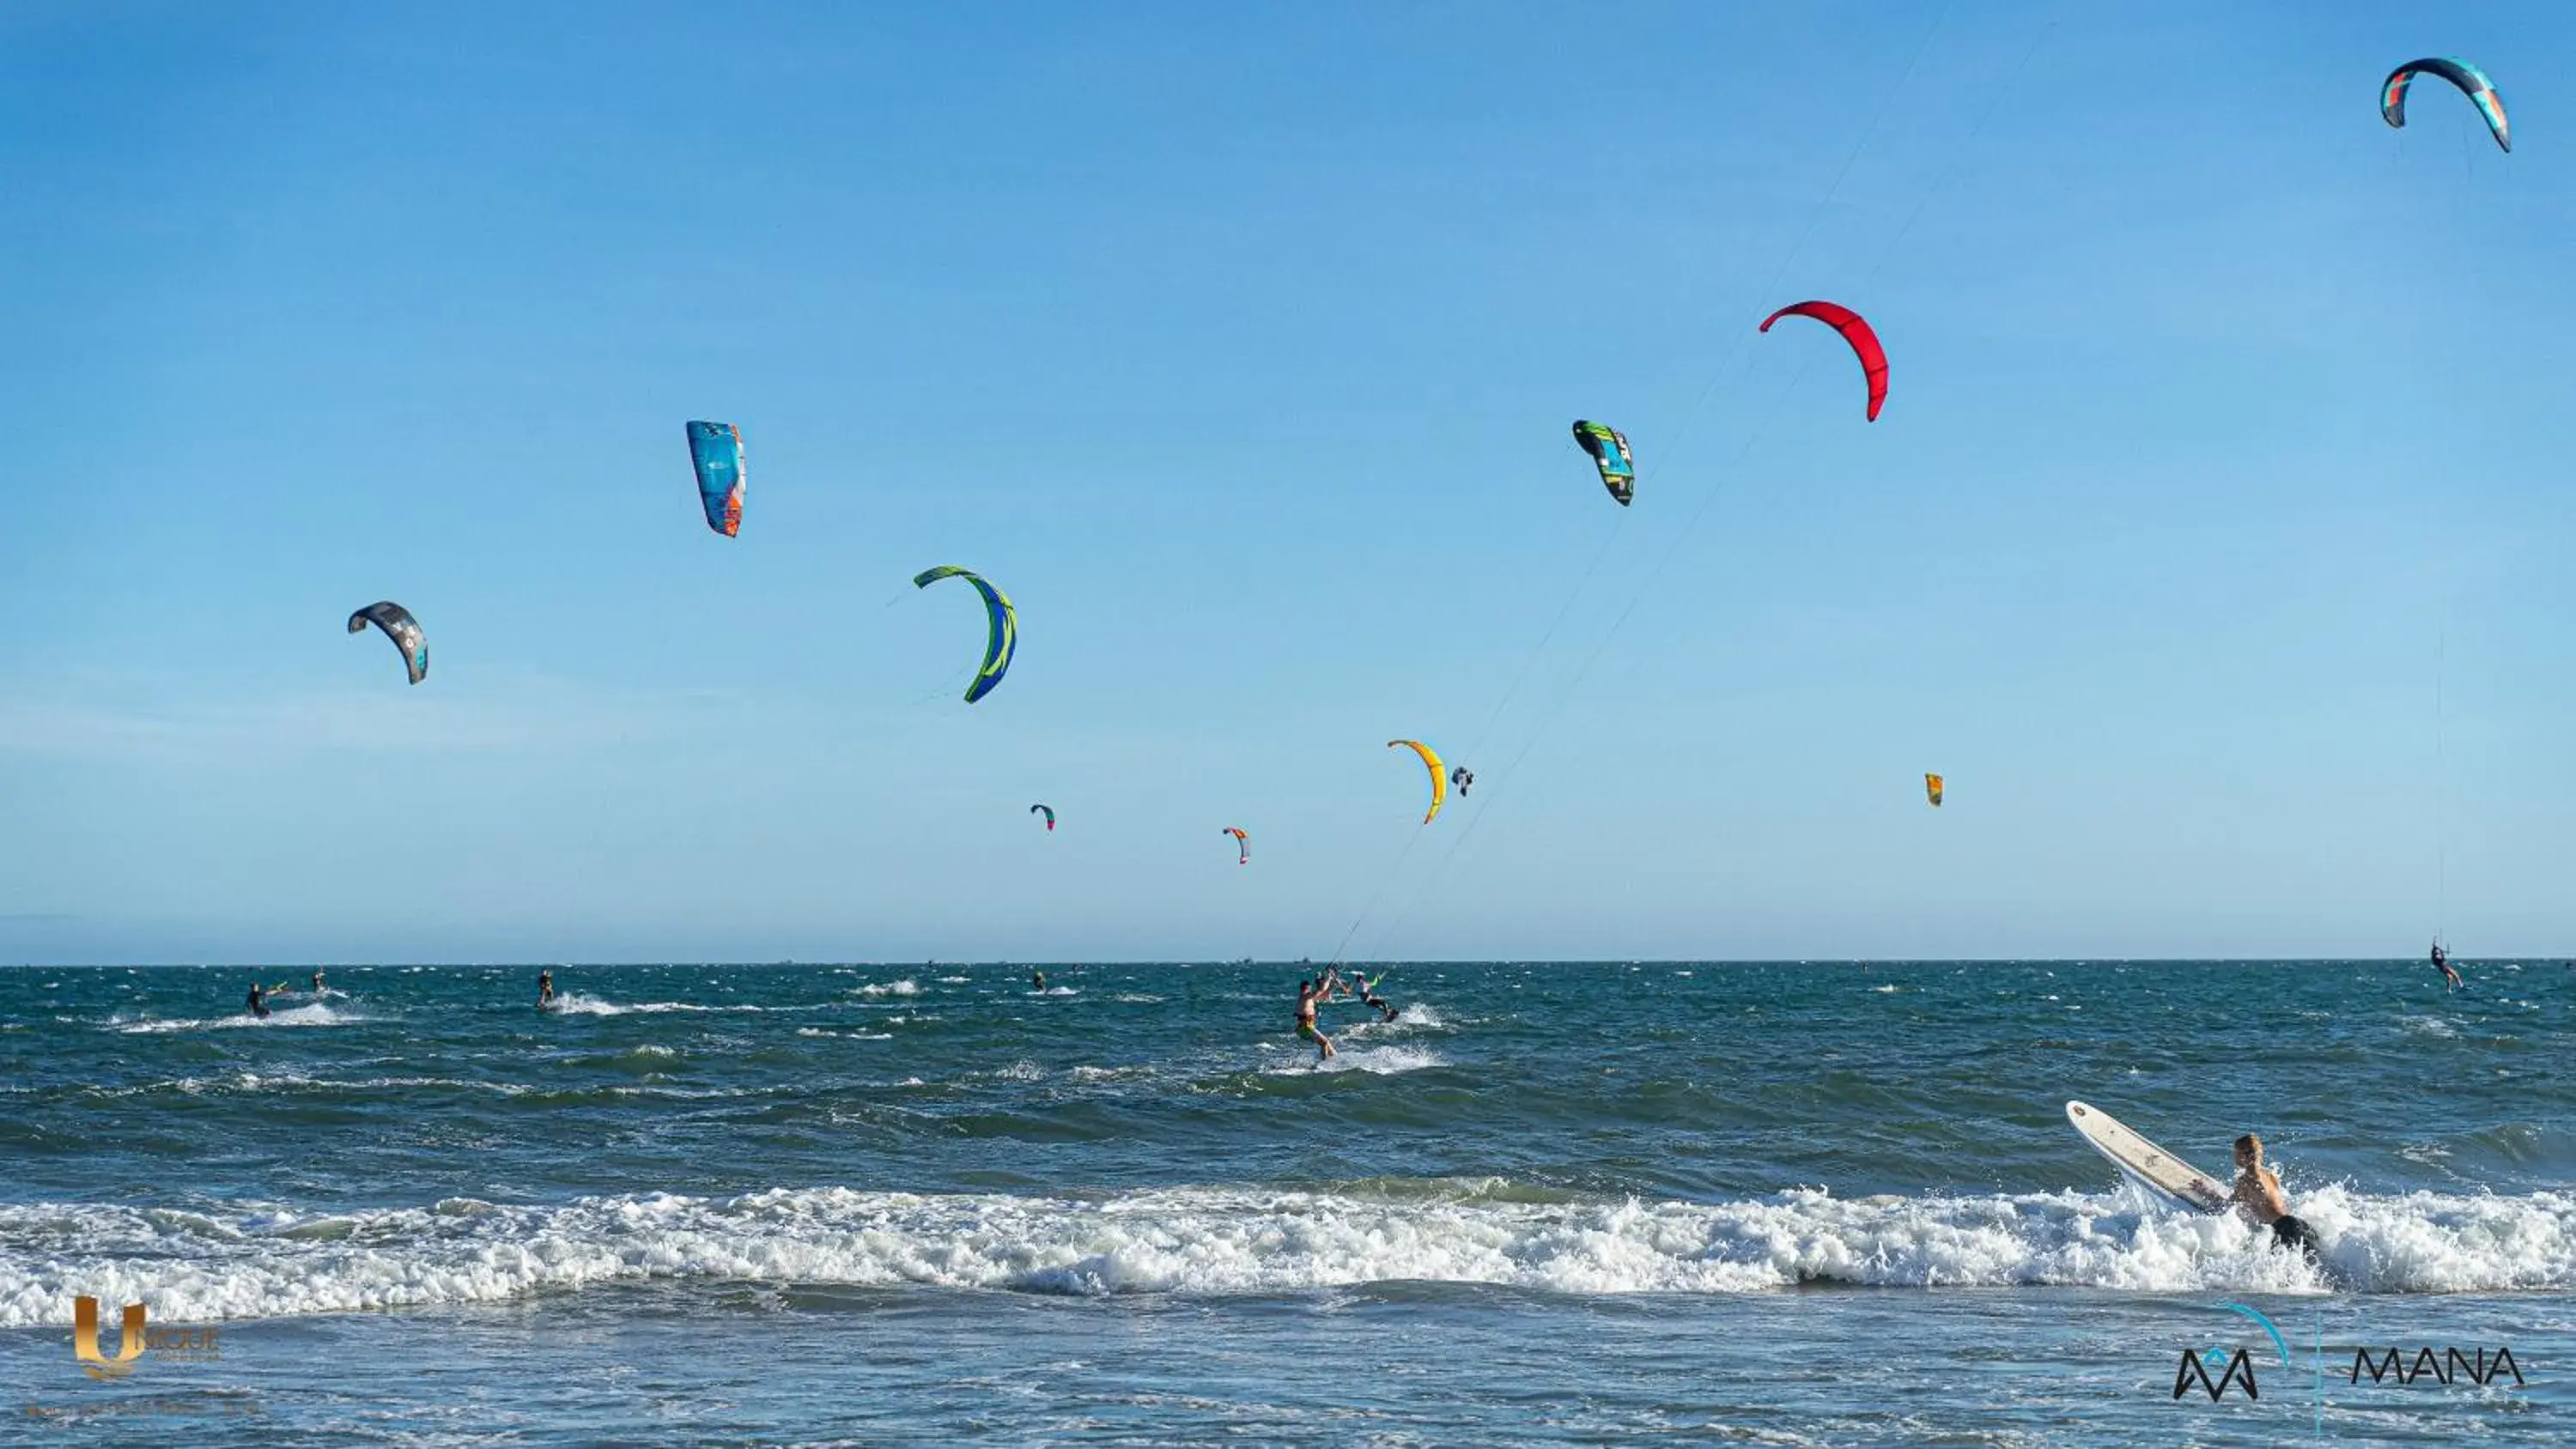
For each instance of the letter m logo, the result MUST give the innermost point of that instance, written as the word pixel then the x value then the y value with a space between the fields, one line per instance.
pixel 2195 1370
pixel 85 1340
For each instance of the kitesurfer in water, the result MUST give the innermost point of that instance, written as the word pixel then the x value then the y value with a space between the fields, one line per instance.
pixel 258 1002
pixel 2260 1201
pixel 317 983
pixel 1037 981
pixel 1311 994
pixel 545 989
pixel 2442 962
pixel 1369 997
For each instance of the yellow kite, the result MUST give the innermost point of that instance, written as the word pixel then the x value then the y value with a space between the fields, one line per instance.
pixel 1439 774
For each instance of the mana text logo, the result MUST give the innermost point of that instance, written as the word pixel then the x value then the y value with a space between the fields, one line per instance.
pixel 2445 1367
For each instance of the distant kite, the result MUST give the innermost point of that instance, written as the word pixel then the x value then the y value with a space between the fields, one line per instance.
pixel 400 627
pixel 1932 790
pixel 2472 82
pixel 715 452
pixel 1242 842
pixel 1856 331
pixel 1002 622
pixel 1609 449
pixel 1046 810
pixel 1439 779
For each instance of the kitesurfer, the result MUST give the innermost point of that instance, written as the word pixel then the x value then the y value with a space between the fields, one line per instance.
pixel 1037 981
pixel 2442 962
pixel 258 1002
pixel 317 983
pixel 545 989
pixel 1370 998
pixel 1311 994
pixel 2260 1201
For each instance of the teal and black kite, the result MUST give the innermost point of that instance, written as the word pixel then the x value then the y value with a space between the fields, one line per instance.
pixel 400 627
pixel 2472 82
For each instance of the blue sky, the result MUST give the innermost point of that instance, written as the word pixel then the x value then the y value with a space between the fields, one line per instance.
pixel 1239 345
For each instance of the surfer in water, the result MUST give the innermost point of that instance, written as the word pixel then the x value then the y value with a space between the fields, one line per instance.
pixel 258 1002
pixel 1311 994
pixel 2260 1201
pixel 317 983
pixel 1037 981
pixel 545 989
pixel 2442 962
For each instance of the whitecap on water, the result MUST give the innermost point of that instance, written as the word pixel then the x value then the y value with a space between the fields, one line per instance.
pixel 256 1260
pixel 1380 1060
pixel 315 1014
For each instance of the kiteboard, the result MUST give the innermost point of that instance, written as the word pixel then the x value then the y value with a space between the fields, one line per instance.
pixel 2144 1162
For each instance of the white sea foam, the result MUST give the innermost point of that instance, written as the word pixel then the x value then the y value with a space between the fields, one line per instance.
pixel 312 1014
pixel 573 1003
pixel 1383 1060
pixel 905 987
pixel 256 1260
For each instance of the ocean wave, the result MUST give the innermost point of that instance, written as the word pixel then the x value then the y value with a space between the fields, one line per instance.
pixel 1382 1060
pixel 314 1014
pixel 573 1003
pixel 1415 1016
pixel 261 1260
pixel 905 987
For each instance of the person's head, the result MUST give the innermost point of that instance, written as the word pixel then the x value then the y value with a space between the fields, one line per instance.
pixel 2249 1151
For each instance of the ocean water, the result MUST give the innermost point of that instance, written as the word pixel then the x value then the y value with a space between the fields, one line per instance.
pixel 1788 1204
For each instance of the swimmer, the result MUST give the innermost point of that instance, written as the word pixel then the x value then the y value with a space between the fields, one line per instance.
pixel 2260 1201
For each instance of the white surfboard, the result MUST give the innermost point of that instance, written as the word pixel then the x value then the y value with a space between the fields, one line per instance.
pixel 2146 1163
